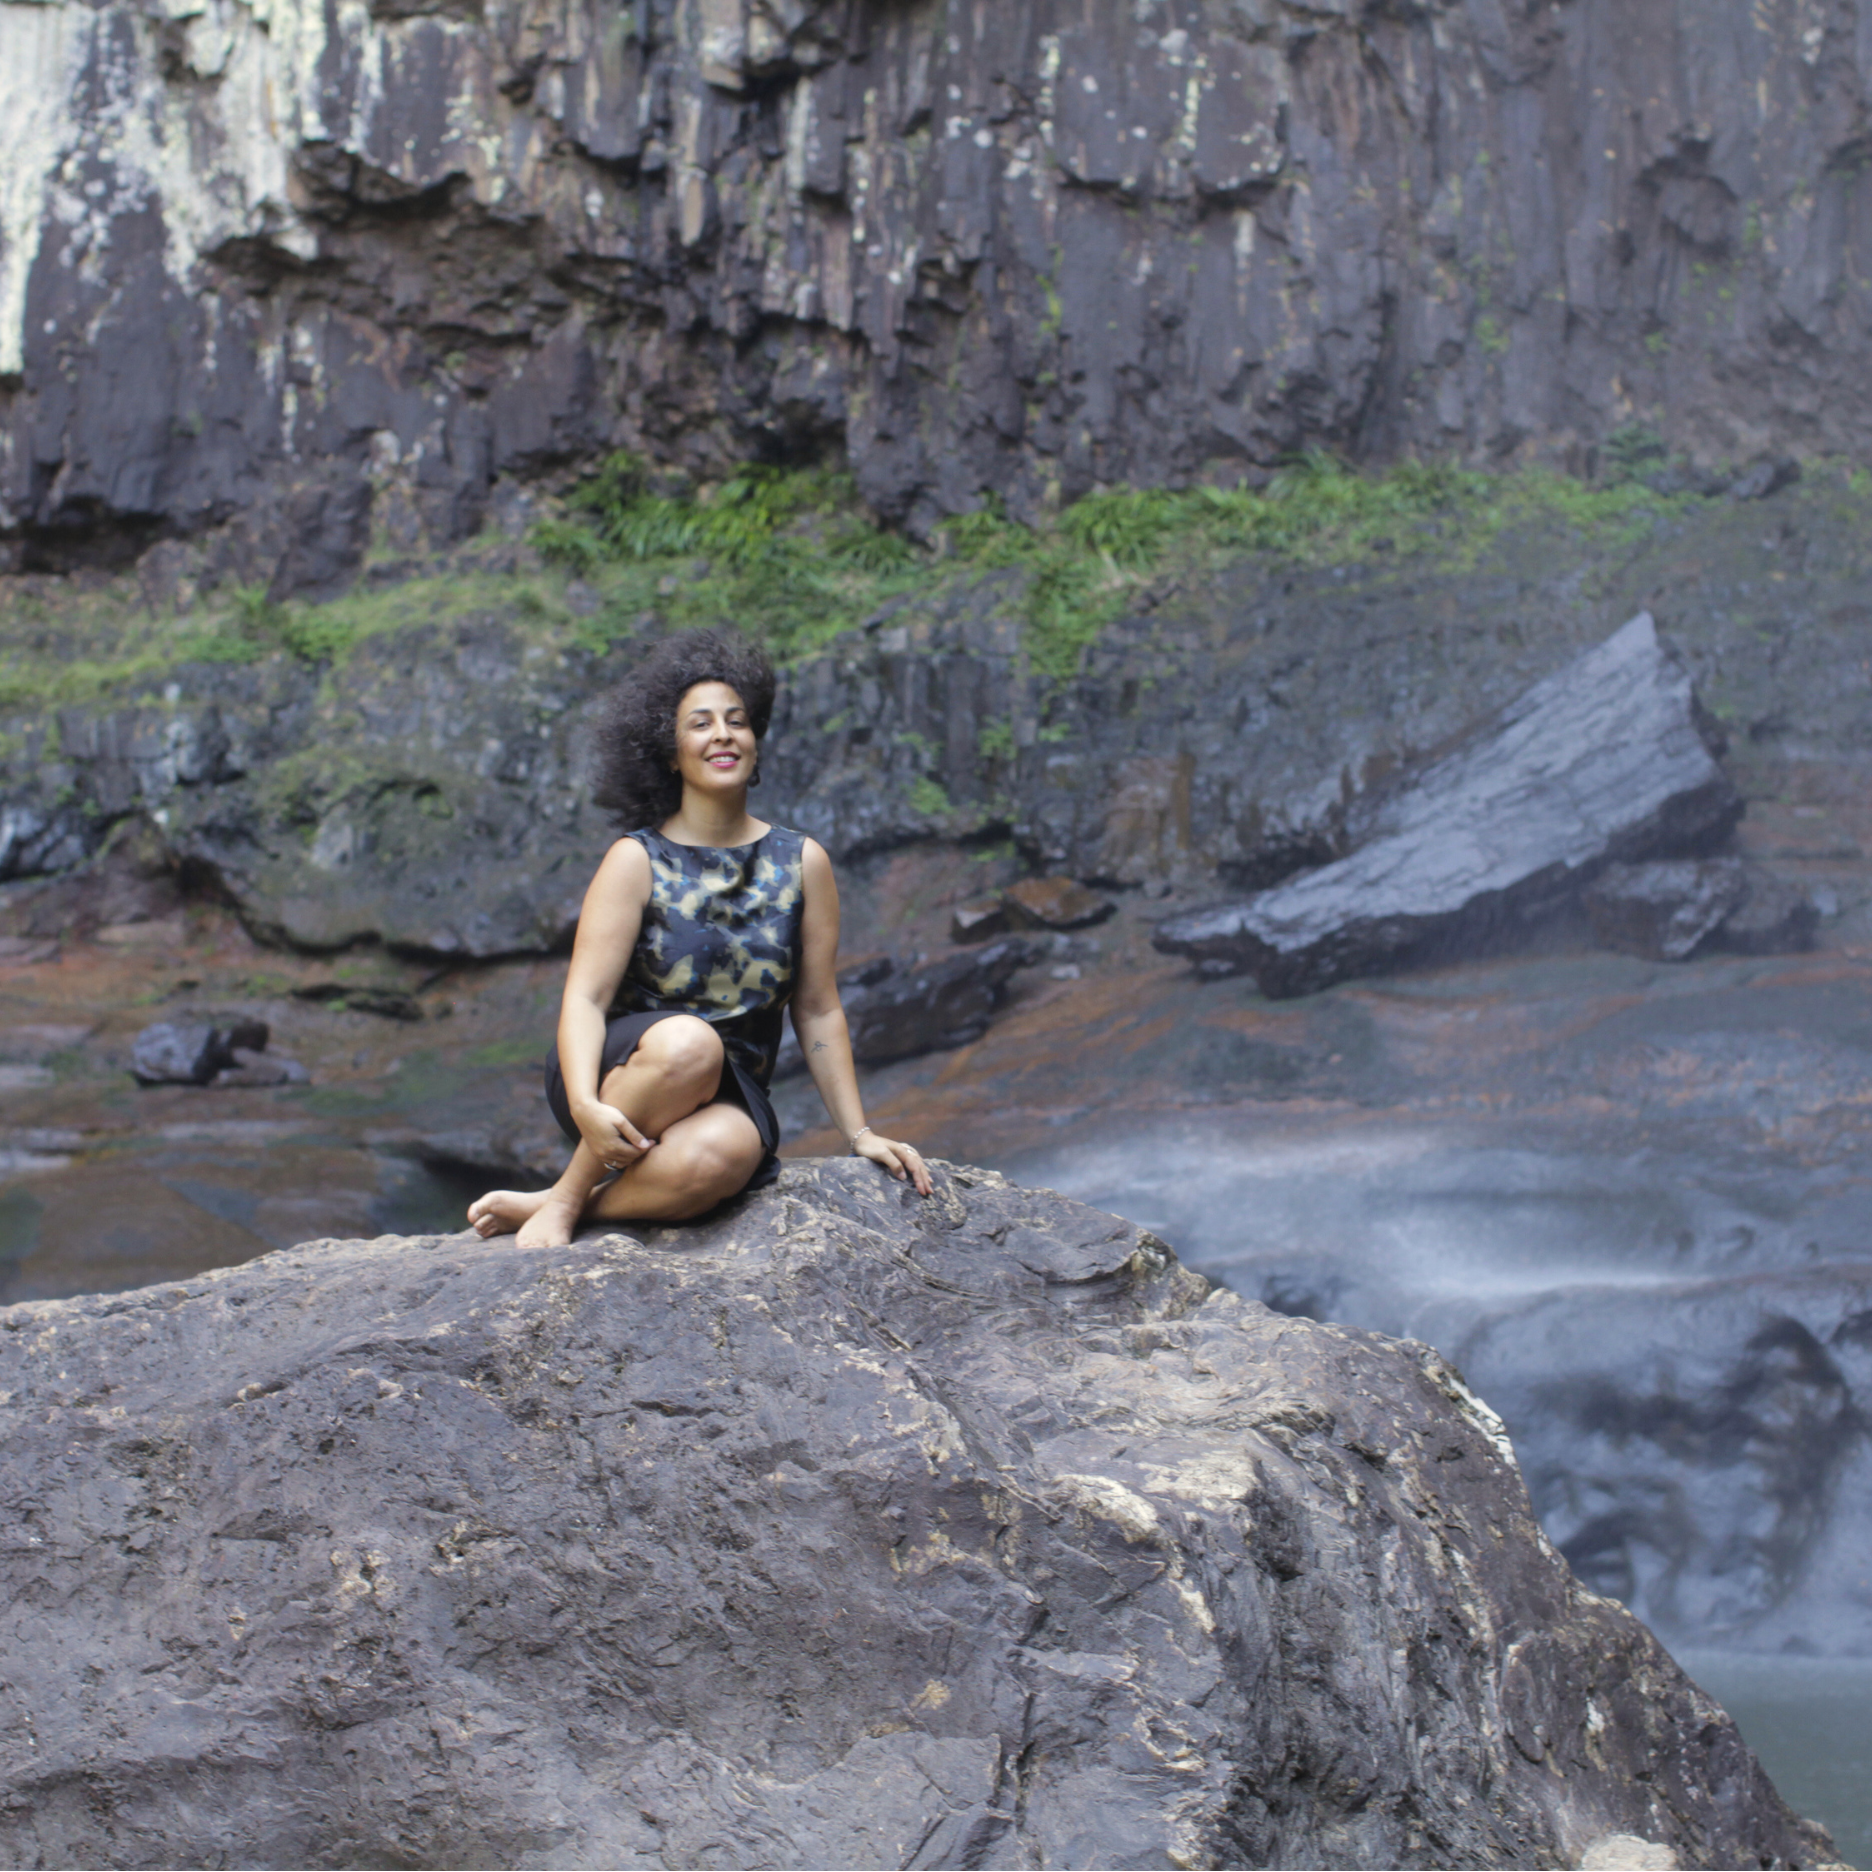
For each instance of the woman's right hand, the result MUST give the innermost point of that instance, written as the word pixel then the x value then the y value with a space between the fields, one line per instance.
pixel 615 1141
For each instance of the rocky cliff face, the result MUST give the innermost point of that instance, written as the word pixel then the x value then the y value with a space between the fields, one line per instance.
pixel 842 1530
pixel 323 274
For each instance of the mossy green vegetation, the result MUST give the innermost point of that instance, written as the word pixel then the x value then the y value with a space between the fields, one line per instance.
pixel 791 555
pixel 1085 570
pixel 102 639
pixel 794 557
pixel 930 798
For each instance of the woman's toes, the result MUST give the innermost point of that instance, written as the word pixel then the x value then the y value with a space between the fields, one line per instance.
pixel 495 1214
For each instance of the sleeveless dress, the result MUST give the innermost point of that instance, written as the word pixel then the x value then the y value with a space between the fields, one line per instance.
pixel 721 940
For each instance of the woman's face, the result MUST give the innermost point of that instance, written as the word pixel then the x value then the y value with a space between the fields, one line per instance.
pixel 715 745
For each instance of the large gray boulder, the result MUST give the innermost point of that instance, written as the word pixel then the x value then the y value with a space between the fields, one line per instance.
pixel 1610 759
pixel 844 1529
pixel 192 1052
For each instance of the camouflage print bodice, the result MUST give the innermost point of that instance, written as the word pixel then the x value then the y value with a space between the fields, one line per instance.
pixel 720 938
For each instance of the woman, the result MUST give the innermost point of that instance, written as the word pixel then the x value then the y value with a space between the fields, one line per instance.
pixel 699 929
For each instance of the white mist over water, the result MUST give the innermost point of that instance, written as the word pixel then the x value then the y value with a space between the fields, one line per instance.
pixel 1414 1231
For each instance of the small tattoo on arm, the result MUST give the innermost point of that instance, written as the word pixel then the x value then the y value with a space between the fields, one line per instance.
pixel 818 1046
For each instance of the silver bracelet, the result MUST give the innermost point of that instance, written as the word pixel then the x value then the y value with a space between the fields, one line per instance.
pixel 855 1136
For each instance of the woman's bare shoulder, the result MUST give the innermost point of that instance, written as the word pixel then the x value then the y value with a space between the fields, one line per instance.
pixel 626 868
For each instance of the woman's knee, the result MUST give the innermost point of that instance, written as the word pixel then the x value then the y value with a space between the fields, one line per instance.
pixel 706 1170
pixel 686 1049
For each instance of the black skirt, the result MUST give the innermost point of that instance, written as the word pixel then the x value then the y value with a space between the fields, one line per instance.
pixel 738 1087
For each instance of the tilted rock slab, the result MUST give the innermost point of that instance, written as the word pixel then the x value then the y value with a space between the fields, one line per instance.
pixel 1608 760
pixel 844 1530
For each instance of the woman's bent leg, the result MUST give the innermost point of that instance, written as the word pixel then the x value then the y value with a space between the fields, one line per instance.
pixel 702 1160
pixel 674 1069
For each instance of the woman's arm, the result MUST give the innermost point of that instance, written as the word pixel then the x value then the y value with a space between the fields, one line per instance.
pixel 608 927
pixel 819 1020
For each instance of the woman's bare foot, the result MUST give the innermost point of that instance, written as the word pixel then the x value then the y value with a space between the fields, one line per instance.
pixel 551 1224
pixel 500 1212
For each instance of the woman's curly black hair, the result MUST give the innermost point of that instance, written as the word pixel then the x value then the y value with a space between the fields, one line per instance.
pixel 635 746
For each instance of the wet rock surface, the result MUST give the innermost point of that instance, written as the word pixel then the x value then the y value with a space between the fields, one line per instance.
pixel 843 1529
pixel 460 249
pixel 169 1053
pixel 391 1003
pixel 1609 759
pixel 1663 910
pixel 977 921
pixel 898 1007
pixel 249 1066
pixel 1776 917
pixel 1055 903
pixel 527 1152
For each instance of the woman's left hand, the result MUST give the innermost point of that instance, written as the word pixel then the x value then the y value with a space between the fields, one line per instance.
pixel 903 1161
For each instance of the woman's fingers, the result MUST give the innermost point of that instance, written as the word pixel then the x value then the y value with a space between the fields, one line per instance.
pixel 621 1128
pixel 618 1143
pixel 910 1161
pixel 903 1161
